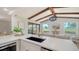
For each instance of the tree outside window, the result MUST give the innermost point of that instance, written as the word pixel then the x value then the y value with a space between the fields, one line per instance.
pixel 70 27
pixel 45 27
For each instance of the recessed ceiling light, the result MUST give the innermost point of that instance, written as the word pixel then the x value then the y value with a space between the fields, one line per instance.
pixel 5 9
pixel 11 12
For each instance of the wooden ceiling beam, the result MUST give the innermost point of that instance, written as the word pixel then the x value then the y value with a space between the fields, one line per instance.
pixel 69 13
pixel 65 17
pixel 38 13
pixel 68 17
pixel 43 17
pixel 43 11
pixel 52 11
pixel 56 14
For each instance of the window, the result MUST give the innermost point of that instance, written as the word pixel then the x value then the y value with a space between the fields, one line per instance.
pixel 70 27
pixel 30 28
pixel 45 27
pixel 33 28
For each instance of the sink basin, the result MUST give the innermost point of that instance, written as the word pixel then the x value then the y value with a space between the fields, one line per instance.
pixel 36 39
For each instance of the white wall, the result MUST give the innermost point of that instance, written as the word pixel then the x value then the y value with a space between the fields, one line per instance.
pixel 23 23
pixel 5 26
pixel 60 21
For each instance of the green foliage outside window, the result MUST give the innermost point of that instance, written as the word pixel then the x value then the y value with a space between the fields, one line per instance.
pixel 70 27
pixel 45 27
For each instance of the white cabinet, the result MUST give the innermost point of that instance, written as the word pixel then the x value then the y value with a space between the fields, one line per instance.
pixel 27 46
pixel 18 45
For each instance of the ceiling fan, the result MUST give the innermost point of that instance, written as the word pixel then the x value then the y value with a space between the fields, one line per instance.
pixel 54 17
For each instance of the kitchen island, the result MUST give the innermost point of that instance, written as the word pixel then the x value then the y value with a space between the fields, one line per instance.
pixel 51 43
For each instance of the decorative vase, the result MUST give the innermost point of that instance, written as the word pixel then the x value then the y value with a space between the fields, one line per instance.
pixel 17 33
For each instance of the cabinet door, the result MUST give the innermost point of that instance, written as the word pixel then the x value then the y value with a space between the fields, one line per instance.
pixel 18 45
pixel 27 46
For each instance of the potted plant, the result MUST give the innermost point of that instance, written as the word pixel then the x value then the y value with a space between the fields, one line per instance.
pixel 17 30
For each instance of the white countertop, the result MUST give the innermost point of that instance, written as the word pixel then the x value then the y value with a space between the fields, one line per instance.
pixel 50 42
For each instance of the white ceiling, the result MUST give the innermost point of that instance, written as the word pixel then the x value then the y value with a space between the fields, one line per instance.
pixel 29 11
pixel 59 10
pixel 21 11
pixel 4 15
